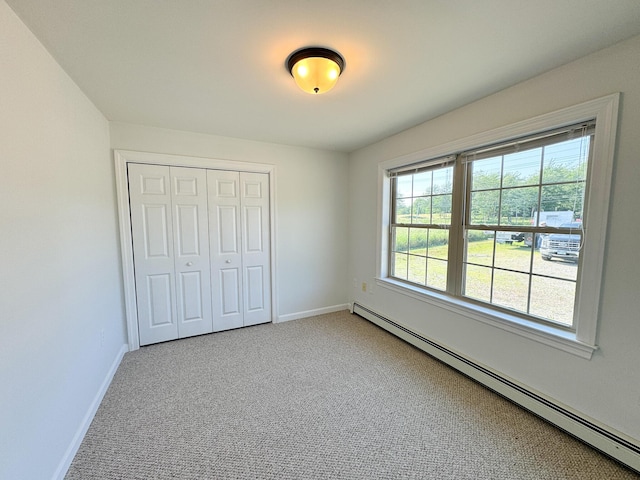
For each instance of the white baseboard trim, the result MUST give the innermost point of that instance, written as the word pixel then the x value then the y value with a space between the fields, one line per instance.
pixel 312 313
pixel 65 463
pixel 612 443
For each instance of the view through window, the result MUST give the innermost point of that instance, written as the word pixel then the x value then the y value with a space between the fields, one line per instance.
pixel 422 215
pixel 522 222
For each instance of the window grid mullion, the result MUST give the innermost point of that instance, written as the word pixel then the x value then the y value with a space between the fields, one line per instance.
pixel 456 236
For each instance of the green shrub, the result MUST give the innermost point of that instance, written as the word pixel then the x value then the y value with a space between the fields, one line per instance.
pixel 436 238
pixel 432 238
pixel 476 236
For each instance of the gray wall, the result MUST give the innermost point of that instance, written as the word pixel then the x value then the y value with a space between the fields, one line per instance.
pixel 60 295
pixel 607 387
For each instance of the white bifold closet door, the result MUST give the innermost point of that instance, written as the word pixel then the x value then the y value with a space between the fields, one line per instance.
pixel 239 239
pixel 201 250
pixel 171 251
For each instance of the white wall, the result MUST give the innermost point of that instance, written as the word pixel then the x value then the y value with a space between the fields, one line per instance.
pixel 311 213
pixel 607 387
pixel 60 283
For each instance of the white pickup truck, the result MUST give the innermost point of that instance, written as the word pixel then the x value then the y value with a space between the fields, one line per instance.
pixel 550 219
pixel 508 237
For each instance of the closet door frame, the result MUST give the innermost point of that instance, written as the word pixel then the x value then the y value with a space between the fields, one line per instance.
pixel 121 159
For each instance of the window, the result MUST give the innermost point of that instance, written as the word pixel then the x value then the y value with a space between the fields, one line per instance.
pixel 508 225
pixel 528 190
pixel 421 213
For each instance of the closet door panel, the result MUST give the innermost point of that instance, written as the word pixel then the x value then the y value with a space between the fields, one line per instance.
pixel 190 290
pixel 253 229
pixel 229 242
pixel 255 289
pixel 255 247
pixel 151 219
pixel 191 240
pixel 187 231
pixel 159 296
pixel 226 250
pixel 230 301
pixel 156 232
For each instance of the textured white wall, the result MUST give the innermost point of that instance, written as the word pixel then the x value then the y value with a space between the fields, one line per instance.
pixel 607 387
pixel 311 213
pixel 60 281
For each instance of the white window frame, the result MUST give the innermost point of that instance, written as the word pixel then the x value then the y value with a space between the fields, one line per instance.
pixel 583 340
pixel 433 165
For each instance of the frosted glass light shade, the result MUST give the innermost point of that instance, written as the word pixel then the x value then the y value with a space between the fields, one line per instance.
pixel 315 70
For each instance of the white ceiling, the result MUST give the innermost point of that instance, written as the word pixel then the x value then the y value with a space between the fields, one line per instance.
pixel 217 66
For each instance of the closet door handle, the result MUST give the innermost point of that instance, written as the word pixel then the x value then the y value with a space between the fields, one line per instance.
pixel 228 261
pixel 189 264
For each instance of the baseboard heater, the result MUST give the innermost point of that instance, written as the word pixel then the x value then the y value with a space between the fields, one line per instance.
pixel 607 442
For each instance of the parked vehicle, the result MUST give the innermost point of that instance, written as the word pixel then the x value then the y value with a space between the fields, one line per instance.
pixel 562 245
pixel 551 219
pixel 506 237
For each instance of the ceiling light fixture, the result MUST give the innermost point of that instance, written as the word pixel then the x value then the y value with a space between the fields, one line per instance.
pixel 315 69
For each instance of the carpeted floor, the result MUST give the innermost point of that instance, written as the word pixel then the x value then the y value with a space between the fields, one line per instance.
pixel 329 397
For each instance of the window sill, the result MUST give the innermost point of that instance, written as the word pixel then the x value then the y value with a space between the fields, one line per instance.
pixel 545 334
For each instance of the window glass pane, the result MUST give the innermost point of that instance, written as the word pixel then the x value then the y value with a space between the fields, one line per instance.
pixel 421 210
pixel 418 241
pixel 422 184
pixel 477 283
pixel 510 290
pixel 566 161
pixel 441 208
pixel 479 247
pixel 513 257
pixel 443 180
pixel 403 211
pixel 553 266
pixel 561 246
pixel 485 207
pixel 486 174
pixel 422 199
pixel 437 274
pixel 552 219
pixel 517 205
pixel 522 168
pixel 553 299
pixel 564 176
pixel 403 186
pixel 438 243
pixel 400 239
pixel 565 197
pixel 399 265
pixel 416 269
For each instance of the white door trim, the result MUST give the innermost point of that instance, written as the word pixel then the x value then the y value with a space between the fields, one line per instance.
pixel 121 159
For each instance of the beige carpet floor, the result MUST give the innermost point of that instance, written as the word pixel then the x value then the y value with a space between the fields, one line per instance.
pixel 329 397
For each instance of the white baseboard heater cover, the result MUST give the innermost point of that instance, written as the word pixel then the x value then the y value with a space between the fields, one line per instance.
pixel 607 442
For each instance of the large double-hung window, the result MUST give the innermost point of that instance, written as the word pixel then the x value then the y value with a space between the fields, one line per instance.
pixel 519 196
pixel 511 230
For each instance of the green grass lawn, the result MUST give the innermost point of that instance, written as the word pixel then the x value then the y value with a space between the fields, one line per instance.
pixel 510 276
